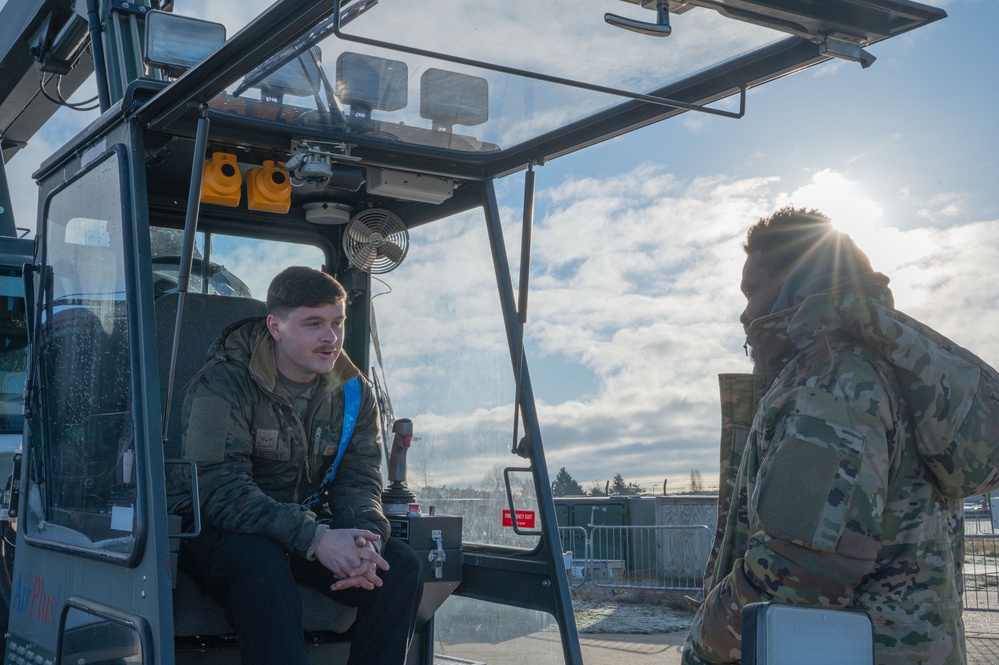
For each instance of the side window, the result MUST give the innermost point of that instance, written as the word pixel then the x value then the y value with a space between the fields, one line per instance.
pixel 13 352
pixel 82 486
pixel 226 265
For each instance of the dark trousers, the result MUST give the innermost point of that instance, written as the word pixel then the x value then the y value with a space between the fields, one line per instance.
pixel 253 578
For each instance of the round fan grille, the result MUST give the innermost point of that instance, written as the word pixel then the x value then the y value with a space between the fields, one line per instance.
pixel 375 241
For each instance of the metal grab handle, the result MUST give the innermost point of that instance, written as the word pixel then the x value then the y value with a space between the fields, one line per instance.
pixel 660 28
pixel 513 510
pixel 196 500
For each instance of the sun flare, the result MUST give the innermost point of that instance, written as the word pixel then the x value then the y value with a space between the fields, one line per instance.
pixel 854 212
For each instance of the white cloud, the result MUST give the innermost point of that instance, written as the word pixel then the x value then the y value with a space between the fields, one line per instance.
pixel 635 278
pixel 621 267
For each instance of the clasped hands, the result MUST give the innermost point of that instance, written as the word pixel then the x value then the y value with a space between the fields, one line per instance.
pixel 350 554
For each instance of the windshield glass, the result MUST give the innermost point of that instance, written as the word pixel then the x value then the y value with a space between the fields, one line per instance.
pixel 446 365
pixel 485 102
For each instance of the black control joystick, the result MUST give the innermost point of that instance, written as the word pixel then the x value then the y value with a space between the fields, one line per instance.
pixel 396 498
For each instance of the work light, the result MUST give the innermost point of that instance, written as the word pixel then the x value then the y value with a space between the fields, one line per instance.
pixel 177 43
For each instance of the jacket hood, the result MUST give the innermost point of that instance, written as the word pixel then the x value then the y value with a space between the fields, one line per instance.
pixel 773 348
pixel 952 395
pixel 250 343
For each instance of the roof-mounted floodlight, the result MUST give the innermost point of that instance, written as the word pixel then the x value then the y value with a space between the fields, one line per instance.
pixel 177 43
pixel 368 83
pixel 450 98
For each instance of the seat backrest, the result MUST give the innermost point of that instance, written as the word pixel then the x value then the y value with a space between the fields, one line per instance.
pixel 205 317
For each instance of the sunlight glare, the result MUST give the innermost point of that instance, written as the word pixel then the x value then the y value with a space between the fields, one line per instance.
pixel 853 212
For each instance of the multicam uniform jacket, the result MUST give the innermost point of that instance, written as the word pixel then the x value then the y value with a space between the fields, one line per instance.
pixel 257 459
pixel 830 499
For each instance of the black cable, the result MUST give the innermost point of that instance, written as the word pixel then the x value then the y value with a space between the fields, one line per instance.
pixel 76 104
pixel 386 284
pixel 80 106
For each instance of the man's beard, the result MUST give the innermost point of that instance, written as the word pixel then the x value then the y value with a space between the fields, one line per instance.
pixel 751 352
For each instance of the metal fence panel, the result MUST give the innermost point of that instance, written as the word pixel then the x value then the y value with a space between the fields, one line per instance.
pixel 981 560
pixel 647 557
pixel 672 557
pixel 576 546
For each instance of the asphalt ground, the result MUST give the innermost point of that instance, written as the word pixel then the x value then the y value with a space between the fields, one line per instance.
pixel 982 643
pixel 544 648
pixel 982 637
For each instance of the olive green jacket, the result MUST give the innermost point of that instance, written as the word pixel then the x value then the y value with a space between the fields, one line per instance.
pixel 258 461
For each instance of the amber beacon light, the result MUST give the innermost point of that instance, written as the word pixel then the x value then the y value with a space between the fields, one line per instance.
pixel 268 188
pixel 222 180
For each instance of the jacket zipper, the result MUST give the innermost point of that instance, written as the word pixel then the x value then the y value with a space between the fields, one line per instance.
pixel 312 449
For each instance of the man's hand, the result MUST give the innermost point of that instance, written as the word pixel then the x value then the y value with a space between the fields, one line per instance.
pixel 350 555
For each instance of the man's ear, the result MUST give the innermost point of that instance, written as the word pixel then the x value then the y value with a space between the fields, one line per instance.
pixel 273 326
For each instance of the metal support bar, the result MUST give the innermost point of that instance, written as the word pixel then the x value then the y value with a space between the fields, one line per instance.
pixel 525 244
pixel 136 39
pixel 550 546
pixel 97 46
pixel 428 641
pixel 7 226
pixel 120 79
pixel 501 264
pixel 187 251
pixel 525 275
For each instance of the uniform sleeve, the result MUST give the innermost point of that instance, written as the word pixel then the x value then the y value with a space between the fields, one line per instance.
pixel 216 417
pixel 816 504
pixel 356 495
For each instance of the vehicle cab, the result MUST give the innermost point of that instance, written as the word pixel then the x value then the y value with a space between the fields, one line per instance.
pixel 363 138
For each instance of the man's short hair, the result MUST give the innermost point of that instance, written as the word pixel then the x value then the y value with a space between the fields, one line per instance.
pixel 791 235
pixel 299 286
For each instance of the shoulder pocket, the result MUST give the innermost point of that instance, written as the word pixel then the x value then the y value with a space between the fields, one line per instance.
pixel 807 482
pixel 207 428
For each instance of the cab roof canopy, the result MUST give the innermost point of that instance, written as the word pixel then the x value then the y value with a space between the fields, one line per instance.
pixel 466 90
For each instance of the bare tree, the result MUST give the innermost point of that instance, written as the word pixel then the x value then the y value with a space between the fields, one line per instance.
pixel 696 482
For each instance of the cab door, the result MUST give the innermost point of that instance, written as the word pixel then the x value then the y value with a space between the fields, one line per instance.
pixel 90 581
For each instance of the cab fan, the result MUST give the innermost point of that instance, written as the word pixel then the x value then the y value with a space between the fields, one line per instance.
pixel 375 241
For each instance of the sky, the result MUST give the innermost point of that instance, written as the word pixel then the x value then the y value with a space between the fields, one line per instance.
pixel 634 301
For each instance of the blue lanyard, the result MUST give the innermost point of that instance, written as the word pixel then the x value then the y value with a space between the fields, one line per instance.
pixel 351 407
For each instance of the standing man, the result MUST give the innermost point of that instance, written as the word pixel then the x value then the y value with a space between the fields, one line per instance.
pixel 845 493
pixel 275 409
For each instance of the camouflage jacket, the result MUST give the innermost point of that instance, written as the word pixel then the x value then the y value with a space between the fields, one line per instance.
pixel 257 460
pixel 830 502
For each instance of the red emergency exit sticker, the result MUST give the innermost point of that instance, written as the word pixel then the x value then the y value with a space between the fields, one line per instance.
pixel 525 519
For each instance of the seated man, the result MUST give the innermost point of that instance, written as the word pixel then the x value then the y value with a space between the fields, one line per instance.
pixel 286 434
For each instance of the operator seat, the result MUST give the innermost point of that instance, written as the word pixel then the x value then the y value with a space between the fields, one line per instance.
pixel 205 317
